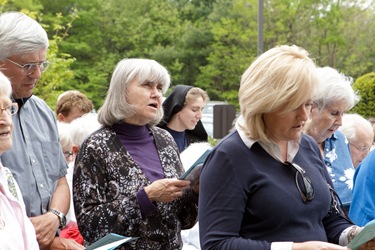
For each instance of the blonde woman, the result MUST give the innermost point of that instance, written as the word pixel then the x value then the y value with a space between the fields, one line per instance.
pixel 265 185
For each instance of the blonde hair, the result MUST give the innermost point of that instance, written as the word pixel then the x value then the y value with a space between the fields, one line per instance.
pixel 194 93
pixel 282 78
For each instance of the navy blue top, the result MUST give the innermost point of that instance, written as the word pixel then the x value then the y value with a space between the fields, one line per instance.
pixel 248 199
pixel 179 137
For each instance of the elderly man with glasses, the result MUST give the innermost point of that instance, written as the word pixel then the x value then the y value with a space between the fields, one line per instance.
pixel 36 158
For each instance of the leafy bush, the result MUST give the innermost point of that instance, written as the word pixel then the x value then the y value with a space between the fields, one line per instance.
pixel 365 86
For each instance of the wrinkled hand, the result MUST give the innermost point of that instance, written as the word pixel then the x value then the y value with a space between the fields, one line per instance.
pixel 317 245
pixel 166 190
pixel 65 244
pixel 45 226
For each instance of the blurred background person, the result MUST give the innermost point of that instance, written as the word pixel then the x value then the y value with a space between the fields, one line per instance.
pixel 265 185
pixel 360 135
pixel 66 141
pixel 362 209
pixel 182 115
pixel 71 105
pixel 335 96
pixel 372 121
pixel 35 158
pixel 16 230
pixel 131 166
pixel 71 137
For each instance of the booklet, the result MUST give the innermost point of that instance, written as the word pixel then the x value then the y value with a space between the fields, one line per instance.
pixel 367 233
pixel 109 242
pixel 195 167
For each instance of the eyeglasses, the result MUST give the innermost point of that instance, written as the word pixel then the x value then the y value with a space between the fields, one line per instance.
pixel 364 149
pixel 307 194
pixel 30 68
pixel 11 109
pixel 67 154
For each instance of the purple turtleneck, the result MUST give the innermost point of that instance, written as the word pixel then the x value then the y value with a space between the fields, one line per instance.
pixel 138 141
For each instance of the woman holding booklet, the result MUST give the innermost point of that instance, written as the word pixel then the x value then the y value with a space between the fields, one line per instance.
pixel 265 185
pixel 126 173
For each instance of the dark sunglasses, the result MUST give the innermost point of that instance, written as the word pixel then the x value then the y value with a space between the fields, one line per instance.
pixel 307 194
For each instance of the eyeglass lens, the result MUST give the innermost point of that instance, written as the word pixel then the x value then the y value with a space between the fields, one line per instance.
pixel 32 66
pixel 11 109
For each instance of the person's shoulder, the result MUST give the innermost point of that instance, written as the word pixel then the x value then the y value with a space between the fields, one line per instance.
pixel 38 100
pixel 160 130
pixel 309 142
pixel 37 103
pixel 305 138
pixel 102 132
pixel 339 135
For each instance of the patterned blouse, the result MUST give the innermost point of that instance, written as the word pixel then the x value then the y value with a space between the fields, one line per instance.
pixel 105 185
pixel 340 167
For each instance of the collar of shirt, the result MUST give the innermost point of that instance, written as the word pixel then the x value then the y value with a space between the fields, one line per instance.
pixel 271 148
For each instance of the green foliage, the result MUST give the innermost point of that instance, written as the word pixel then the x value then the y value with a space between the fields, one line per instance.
pixel 233 49
pixel 365 86
pixel 52 81
pixel 207 43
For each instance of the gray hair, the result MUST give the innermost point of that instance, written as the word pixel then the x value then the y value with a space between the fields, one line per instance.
pixel 20 34
pixel 334 87
pixel 82 127
pixel 115 107
pixel 351 123
pixel 5 87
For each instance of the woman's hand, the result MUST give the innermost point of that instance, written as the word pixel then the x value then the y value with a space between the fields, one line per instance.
pixel 166 190
pixel 317 245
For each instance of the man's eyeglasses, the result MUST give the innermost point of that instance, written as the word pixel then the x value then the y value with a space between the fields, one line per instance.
pixel 307 194
pixel 30 68
pixel 11 109
pixel 364 149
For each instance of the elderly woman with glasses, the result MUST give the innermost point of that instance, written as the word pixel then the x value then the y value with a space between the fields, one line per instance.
pixel 125 178
pixel 265 185
pixel 360 135
pixel 16 230
pixel 334 97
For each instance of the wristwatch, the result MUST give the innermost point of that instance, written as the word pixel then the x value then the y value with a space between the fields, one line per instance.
pixel 61 216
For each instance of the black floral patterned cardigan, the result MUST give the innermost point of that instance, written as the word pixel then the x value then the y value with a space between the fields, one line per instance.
pixel 105 184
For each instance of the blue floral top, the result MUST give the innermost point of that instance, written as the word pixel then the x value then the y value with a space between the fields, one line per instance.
pixel 339 165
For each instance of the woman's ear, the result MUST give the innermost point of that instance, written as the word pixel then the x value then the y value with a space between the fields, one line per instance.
pixel 75 149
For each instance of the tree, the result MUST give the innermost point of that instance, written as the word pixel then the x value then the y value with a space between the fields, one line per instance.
pixel 233 48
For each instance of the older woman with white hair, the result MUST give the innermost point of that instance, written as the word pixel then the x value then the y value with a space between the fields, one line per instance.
pixel 360 135
pixel 125 176
pixel 16 230
pixel 334 97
